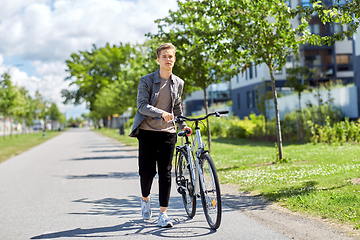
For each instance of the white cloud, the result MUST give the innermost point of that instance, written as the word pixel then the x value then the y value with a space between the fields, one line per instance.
pixel 39 32
pixel 46 32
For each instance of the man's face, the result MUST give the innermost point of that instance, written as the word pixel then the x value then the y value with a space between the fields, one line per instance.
pixel 166 59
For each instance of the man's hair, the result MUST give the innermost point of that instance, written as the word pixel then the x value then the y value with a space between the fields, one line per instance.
pixel 163 47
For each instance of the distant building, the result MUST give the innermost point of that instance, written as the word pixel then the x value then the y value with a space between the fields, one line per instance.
pixel 216 93
pixel 333 62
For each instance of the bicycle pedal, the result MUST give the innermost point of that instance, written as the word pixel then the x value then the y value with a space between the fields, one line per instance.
pixel 181 191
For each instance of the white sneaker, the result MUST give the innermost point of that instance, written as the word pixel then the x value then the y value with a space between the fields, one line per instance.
pixel 164 221
pixel 146 209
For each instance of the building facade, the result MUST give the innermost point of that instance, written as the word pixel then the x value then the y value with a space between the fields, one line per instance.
pixel 215 93
pixel 333 63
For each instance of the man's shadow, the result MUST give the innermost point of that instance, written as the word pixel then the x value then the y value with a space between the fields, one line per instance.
pixel 129 208
pixel 131 227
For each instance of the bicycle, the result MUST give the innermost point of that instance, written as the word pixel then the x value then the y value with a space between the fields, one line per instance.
pixel 197 176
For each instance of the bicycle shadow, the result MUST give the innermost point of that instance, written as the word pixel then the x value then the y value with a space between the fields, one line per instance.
pixel 128 210
pixel 131 227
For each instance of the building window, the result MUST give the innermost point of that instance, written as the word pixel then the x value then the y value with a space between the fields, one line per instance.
pixel 238 100
pixel 255 71
pixel 249 98
pixel 246 78
pixel 237 78
pixel 342 59
pixel 315 28
pixel 338 28
pixel 344 62
pixel 250 72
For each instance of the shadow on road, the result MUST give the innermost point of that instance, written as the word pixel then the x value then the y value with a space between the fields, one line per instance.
pixel 243 202
pixel 122 175
pixel 101 158
pixel 129 208
pixel 131 227
pixel 121 150
pixel 111 206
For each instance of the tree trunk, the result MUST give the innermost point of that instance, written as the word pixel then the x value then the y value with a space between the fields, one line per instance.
pixel 4 126
pixel 10 127
pixel 277 116
pixel 207 120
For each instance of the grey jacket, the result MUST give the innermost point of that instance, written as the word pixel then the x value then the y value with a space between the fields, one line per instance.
pixel 148 92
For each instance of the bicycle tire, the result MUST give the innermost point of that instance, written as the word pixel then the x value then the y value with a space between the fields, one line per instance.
pixel 210 195
pixel 184 179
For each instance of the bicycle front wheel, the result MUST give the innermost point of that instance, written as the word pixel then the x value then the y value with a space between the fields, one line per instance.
pixel 185 184
pixel 210 192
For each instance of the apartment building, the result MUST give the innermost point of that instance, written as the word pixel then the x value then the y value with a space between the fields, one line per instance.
pixel 334 62
pixel 215 93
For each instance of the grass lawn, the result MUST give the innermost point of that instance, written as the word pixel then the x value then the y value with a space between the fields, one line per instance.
pixel 17 144
pixel 321 180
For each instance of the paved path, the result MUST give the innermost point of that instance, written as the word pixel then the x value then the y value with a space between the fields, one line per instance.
pixel 82 185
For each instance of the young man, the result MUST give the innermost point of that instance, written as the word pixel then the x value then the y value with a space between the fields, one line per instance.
pixel 158 101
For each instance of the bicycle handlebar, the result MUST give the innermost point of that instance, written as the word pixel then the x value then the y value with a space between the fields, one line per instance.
pixel 183 118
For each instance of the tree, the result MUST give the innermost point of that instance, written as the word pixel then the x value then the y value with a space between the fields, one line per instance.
pixel 261 32
pixel 262 101
pixel 93 70
pixel 296 80
pixel 8 98
pixel 195 36
pixel 53 112
pixel 117 97
pixel 28 107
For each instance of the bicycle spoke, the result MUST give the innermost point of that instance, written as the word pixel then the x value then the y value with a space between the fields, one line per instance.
pixel 210 193
pixel 185 184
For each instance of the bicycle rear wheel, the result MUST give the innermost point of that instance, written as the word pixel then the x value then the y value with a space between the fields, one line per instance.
pixel 185 184
pixel 210 192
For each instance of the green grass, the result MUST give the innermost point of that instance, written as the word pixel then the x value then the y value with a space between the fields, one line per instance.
pixel 17 144
pixel 318 180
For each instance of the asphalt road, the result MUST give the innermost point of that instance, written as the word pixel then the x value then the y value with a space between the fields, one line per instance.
pixel 81 185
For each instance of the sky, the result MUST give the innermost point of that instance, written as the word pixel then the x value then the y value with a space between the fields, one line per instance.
pixel 38 36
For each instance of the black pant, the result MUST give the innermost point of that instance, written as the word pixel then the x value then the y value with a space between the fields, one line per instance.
pixel 156 147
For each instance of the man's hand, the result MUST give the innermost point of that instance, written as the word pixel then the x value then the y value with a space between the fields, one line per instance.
pixel 167 116
pixel 189 129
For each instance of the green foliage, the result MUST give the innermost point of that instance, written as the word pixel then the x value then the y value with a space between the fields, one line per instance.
pixel 108 77
pixel 17 104
pixel 196 37
pixel 339 132
pixel 53 112
pixel 254 127
pixel 295 79
pixel 9 96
